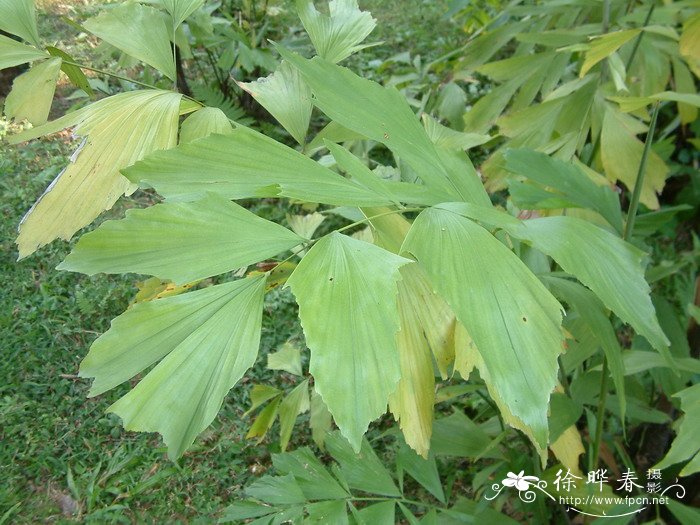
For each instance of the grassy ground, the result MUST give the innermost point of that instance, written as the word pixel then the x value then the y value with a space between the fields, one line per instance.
pixel 60 454
pixel 62 458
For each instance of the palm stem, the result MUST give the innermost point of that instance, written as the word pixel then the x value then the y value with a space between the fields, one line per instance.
pixel 629 228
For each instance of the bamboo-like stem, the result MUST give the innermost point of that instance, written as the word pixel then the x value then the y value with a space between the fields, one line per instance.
pixel 639 37
pixel 599 417
pixel 629 228
pixel 634 203
pixel 113 75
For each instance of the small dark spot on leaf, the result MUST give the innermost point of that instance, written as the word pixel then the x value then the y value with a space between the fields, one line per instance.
pixel 525 319
pixel 330 278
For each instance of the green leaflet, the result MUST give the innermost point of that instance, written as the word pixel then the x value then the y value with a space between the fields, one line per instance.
pixel 354 167
pixel 378 514
pixel 74 73
pixel 629 104
pixel 620 154
pixel 513 319
pixel 458 436
pixel 139 31
pixel 181 9
pixel 340 284
pixel 423 470
pixel 264 420
pixel 205 341
pixel 591 310
pixel 13 53
pixel 606 264
pixel 379 113
pixel 686 445
pixel 32 92
pixel 480 50
pixel 337 35
pixel 449 139
pixel 297 402
pixel 246 164
pixel 325 512
pixel 180 242
pixel 260 394
pixel 312 477
pixel 427 308
pixel 412 402
pixel 362 470
pixel 483 115
pixel 451 103
pixel 568 181
pixel 285 95
pixel 684 514
pixel 242 510
pixel 604 46
pixel 320 420
pixel 203 123
pixel 603 262
pixel 19 18
pixel 118 131
pixel 689 45
pixel 277 490
pixel 287 358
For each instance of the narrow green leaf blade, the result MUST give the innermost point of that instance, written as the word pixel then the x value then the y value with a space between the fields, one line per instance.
pixel 591 311
pixel 276 490
pixel 363 471
pixel 355 364
pixel 32 92
pixel 19 18
pixel 74 73
pixel 338 34
pixel 320 420
pixel 118 131
pixel 13 53
pixel 169 241
pixel 243 510
pixel 259 394
pixel 139 31
pixel 568 180
pixel 604 46
pixel 312 477
pixel 510 315
pixel 424 471
pixel 377 112
pixel 325 512
pixel 181 9
pixel 290 407
pixel 609 266
pixel 246 164
pixel 287 97
pixel 206 339
pixel 685 446
pixel 203 123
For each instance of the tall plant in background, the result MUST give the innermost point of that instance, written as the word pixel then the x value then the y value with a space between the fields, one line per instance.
pixel 441 279
pixel 577 84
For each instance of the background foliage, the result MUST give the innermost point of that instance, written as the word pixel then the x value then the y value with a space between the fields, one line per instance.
pixel 94 470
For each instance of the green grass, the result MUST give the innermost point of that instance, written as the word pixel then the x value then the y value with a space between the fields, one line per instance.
pixel 58 449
